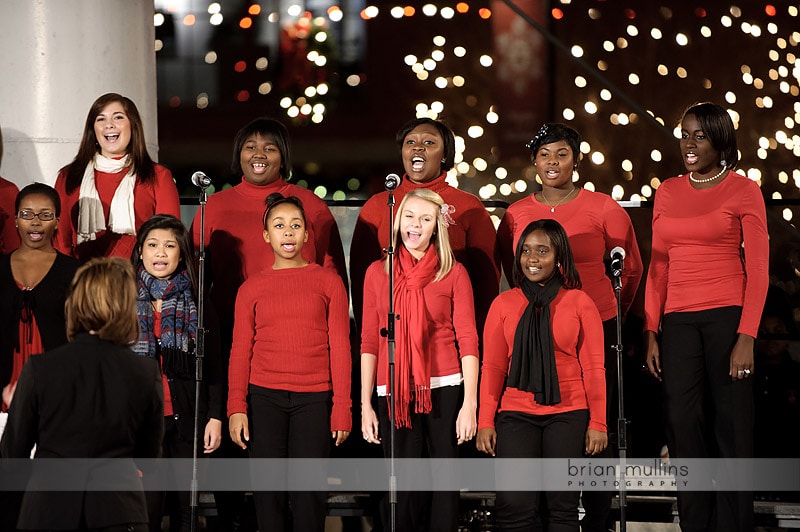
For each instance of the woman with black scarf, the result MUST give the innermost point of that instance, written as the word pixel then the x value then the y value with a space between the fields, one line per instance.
pixel 542 391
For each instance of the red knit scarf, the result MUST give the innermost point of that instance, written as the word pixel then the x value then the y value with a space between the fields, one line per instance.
pixel 412 360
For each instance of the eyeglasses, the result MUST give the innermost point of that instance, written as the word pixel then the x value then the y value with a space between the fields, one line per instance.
pixel 45 216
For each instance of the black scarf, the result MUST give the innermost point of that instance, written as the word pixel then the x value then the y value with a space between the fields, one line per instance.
pixel 533 361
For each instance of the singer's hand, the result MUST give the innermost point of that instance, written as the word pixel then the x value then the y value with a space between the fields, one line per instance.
pixel 212 436
pixel 240 432
pixel 596 441
pixel 486 441
pixel 339 436
pixel 653 360
pixel 369 424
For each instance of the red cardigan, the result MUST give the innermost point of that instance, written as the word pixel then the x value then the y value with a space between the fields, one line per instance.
pixel 472 238
pixel 235 242
pixel 595 224
pixel 578 343
pixel 292 332
pixel 451 325
pixel 698 262
pixel 160 197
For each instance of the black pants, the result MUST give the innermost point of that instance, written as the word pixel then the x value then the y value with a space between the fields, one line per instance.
pixel 597 504
pixel 708 414
pixel 431 435
pixel 522 435
pixel 288 424
pixel 173 446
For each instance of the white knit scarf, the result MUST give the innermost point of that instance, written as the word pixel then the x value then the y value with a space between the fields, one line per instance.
pixel 121 218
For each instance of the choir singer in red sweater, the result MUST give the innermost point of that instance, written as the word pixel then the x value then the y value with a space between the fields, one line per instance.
pixel 112 186
pixel 706 287
pixel 436 356
pixel 595 225
pixel 428 151
pixel 543 390
pixel 290 364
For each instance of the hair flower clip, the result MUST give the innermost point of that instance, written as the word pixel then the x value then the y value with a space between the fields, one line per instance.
pixel 534 142
pixel 446 211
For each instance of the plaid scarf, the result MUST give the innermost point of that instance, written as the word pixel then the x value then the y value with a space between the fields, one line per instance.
pixel 176 341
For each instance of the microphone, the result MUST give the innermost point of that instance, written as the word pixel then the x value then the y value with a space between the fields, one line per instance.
pixel 391 182
pixel 617 258
pixel 199 179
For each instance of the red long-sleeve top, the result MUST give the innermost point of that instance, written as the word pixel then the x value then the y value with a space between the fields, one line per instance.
pixel 451 320
pixel 698 262
pixel 292 332
pixel 472 238
pixel 9 238
pixel 578 346
pixel 234 237
pixel 160 197
pixel 595 224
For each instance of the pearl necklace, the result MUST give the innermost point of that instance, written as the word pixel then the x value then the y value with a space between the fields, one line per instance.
pixel 553 207
pixel 706 180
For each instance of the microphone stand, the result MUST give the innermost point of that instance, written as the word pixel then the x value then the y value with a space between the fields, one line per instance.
pixel 200 350
pixel 622 423
pixel 389 334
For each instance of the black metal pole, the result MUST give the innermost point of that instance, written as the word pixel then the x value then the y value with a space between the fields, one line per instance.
pixel 389 333
pixel 622 423
pixel 199 355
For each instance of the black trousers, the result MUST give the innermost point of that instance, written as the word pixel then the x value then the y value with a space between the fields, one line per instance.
pixel 708 414
pixel 431 435
pixel 286 424
pixel 597 504
pixel 173 446
pixel 521 435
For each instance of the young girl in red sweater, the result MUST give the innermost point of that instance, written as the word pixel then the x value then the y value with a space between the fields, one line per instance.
pixel 289 374
pixel 543 390
pixel 436 357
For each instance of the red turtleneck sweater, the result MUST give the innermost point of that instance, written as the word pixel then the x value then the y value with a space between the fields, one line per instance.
pixel 235 242
pixel 292 332
pixel 472 238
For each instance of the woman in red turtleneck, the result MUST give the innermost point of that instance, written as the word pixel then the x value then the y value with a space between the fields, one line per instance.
pixel 427 148
pixel 234 237
pixel 233 232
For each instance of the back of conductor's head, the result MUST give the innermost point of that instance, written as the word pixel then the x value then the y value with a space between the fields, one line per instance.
pixel 102 301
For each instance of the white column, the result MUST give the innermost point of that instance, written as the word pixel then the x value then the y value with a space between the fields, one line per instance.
pixel 58 57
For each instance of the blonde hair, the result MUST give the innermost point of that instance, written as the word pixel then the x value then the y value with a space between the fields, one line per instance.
pixel 102 301
pixel 440 239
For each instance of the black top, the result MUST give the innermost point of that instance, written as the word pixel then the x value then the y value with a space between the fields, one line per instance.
pixel 46 300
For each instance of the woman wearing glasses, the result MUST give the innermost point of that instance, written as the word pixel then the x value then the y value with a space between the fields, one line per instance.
pixel 33 286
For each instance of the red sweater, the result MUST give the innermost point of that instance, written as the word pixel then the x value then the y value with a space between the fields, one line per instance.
pixel 595 224
pixel 9 238
pixel 448 304
pixel 578 343
pixel 235 242
pixel 698 262
pixel 472 238
pixel 292 332
pixel 160 197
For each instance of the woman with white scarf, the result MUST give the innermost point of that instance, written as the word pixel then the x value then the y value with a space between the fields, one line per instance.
pixel 112 186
